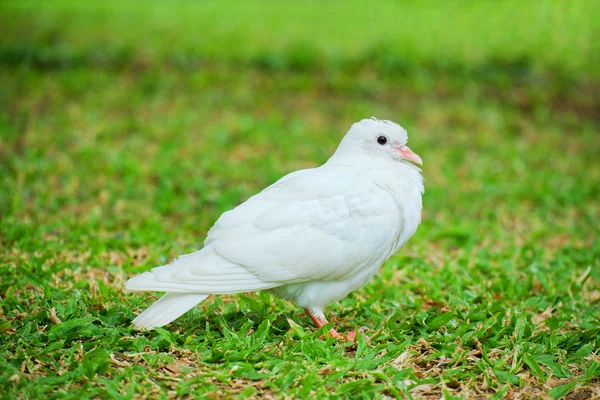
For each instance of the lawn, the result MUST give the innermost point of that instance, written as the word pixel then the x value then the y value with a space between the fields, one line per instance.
pixel 126 130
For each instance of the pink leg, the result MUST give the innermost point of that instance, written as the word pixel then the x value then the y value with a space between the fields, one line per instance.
pixel 316 314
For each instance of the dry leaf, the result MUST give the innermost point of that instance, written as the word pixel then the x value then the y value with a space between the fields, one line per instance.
pixel 53 318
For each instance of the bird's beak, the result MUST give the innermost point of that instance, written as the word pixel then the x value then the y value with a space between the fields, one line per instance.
pixel 407 154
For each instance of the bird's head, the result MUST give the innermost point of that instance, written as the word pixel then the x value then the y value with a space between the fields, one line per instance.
pixel 383 139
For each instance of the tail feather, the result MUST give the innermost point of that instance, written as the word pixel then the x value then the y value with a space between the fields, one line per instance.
pixel 166 309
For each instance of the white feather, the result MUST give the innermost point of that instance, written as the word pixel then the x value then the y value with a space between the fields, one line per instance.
pixel 166 309
pixel 203 271
pixel 291 232
pixel 312 237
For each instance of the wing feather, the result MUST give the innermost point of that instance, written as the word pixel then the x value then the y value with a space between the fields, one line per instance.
pixel 320 224
pixel 203 271
pixel 314 225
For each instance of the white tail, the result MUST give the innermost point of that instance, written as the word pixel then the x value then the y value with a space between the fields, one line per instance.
pixel 166 309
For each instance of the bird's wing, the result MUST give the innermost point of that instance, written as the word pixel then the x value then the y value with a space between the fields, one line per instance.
pixel 203 271
pixel 319 224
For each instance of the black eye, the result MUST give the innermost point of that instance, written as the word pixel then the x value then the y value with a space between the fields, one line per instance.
pixel 382 140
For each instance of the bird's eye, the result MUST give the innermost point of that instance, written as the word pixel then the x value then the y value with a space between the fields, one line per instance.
pixel 382 140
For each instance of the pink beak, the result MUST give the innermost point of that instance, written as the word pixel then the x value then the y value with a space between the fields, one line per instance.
pixel 407 154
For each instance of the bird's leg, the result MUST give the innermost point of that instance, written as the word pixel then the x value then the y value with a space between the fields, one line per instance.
pixel 316 314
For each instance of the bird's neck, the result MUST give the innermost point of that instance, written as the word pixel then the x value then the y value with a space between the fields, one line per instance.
pixel 404 172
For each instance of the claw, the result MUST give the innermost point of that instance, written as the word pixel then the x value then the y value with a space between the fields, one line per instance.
pixel 316 314
pixel 348 337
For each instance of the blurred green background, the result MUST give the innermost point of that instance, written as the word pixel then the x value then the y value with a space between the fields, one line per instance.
pixel 127 128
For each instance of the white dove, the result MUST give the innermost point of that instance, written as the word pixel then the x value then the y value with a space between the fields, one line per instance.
pixel 312 237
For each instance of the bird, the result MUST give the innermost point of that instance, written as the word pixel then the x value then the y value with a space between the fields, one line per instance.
pixel 312 237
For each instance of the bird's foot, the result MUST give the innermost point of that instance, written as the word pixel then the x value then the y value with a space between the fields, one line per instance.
pixel 348 337
pixel 316 314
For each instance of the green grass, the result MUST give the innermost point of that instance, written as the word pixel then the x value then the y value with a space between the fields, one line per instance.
pixel 125 133
pixel 544 35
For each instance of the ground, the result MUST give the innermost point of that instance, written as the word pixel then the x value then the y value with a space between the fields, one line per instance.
pixel 126 130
